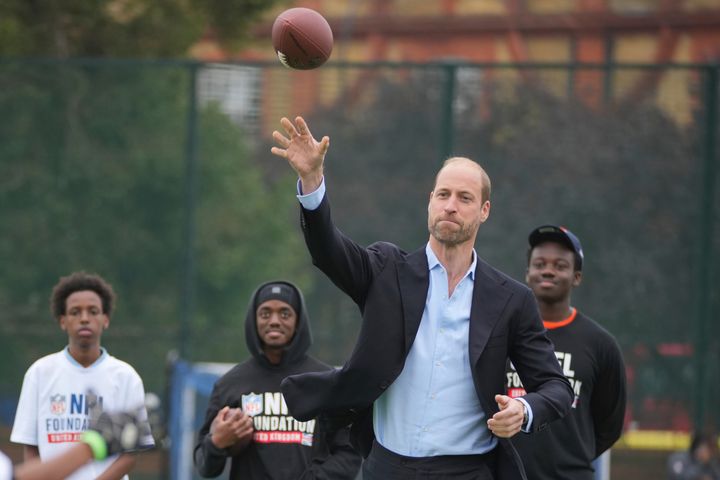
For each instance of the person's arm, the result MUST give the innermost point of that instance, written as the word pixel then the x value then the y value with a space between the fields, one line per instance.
pixel 608 400
pixel 209 459
pixel 108 434
pixel 342 463
pixel 222 435
pixel 350 266
pixel 119 468
pixel 230 434
pixel 57 468
pixel 30 452
pixel 25 425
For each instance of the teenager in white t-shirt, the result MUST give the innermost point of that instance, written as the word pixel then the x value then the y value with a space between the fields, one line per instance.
pixel 52 412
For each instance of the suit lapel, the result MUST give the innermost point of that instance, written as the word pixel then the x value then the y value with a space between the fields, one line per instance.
pixel 414 280
pixel 489 300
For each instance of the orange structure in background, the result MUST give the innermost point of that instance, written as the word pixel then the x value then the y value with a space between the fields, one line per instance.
pixel 504 31
pixel 655 31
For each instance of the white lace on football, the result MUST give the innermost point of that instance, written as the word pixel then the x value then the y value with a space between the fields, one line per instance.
pixel 283 58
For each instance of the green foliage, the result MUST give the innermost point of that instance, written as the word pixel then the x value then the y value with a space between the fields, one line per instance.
pixel 625 178
pixel 122 28
pixel 95 179
pixel 621 177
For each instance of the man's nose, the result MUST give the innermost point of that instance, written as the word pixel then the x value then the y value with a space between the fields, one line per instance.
pixel 451 205
pixel 547 271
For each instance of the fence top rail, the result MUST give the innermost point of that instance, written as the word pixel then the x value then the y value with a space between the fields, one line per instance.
pixel 449 63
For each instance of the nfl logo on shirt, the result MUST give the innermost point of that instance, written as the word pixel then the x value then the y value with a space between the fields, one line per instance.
pixel 57 404
pixel 252 404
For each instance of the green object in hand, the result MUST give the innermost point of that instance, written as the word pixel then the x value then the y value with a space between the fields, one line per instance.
pixel 96 443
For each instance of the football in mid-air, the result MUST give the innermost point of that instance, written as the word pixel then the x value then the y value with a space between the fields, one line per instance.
pixel 302 38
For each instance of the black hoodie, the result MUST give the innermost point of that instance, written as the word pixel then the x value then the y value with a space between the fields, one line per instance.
pixel 282 447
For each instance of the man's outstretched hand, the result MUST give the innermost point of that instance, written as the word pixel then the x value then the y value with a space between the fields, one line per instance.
pixel 304 154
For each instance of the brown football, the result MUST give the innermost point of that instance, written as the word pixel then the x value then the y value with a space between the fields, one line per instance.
pixel 302 38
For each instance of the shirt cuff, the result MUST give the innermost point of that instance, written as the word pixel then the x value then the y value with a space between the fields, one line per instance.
pixel 312 200
pixel 527 428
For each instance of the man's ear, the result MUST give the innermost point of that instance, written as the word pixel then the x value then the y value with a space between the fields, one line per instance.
pixel 485 211
pixel 61 322
pixel 577 278
pixel 106 323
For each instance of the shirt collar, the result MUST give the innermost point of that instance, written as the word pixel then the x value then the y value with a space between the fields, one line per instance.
pixel 103 356
pixel 433 261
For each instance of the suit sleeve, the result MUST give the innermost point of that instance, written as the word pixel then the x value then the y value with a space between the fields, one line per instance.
pixel 342 462
pixel 210 460
pixel 348 265
pixel 609 398
pixel 532 353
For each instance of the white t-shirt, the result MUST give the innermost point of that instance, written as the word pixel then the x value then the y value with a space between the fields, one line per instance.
pixel 6 468
pixel 52 411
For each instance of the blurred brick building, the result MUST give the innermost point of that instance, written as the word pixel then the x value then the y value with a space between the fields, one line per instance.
pixel 509 31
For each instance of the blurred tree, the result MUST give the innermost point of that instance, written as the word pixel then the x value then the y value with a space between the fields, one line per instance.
pixel 93 162
pixel 621 178
pixel 122 28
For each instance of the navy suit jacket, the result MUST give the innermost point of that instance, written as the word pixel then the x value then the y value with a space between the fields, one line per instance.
pixel 390 287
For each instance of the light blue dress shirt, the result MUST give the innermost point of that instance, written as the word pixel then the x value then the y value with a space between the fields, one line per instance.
pixel 432 408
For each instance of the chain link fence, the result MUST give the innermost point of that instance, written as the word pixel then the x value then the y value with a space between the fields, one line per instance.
pixel 158 176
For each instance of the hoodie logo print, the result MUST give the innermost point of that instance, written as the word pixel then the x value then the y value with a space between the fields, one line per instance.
pixel 252 404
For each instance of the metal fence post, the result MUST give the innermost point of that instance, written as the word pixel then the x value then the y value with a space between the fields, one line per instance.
pixel 447 127
pixel 705 243
pixel 191 153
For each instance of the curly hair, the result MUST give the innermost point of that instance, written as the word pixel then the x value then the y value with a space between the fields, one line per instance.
pixel 78 282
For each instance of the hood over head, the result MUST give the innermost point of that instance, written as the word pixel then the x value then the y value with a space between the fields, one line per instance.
pixel 290 294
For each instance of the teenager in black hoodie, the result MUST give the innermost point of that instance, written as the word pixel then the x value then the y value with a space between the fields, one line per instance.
pixel 247 419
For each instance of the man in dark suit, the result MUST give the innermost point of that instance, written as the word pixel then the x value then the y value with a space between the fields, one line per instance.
pixel 422 386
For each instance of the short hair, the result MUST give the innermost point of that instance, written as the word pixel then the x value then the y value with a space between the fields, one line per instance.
pixel 577 259
pixel 486 187
pixel 79 282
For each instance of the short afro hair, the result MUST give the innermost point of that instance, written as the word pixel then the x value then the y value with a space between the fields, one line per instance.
pixel 79 282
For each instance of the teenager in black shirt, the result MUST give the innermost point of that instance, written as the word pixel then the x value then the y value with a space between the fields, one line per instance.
pixel 590 358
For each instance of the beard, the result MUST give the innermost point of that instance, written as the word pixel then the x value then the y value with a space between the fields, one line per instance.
pixel 452 238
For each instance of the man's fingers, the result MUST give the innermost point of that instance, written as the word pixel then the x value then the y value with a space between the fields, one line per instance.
pixel 280 152
pixel 281 139
pixel 324 145
pixel 502 427
pixel 243 426
pixel 302 126
pixel 289 127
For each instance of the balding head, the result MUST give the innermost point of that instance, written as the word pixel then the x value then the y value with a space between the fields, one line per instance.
pixel 483 178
